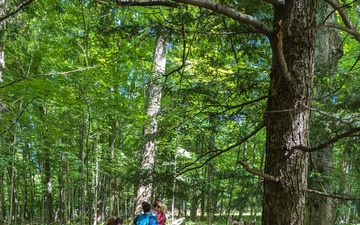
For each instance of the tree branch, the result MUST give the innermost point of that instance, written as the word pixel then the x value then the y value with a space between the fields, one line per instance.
pixel 22 5
pixel 257 172
pixel 47 74
pixel 349 30
pixel 275 2
pixel 345 18
pixel 146 3
pixel 186 168
pixel 17 118
pixel 327 143
pixel 207 4
pixel 231 13
pixel 342 197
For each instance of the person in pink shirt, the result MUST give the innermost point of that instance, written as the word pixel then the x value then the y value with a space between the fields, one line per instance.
pixel 160 210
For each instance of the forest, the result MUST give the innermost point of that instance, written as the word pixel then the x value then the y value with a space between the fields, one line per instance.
pixel 233 112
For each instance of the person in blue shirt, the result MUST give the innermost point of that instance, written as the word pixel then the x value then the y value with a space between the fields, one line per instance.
pixel 145 218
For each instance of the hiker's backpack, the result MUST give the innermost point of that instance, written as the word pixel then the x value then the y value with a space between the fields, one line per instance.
pixel 144 219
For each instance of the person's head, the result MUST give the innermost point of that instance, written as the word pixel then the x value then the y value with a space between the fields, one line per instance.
pixel 114 221
pixel 158 200
pixel 156 206
pixel 146 207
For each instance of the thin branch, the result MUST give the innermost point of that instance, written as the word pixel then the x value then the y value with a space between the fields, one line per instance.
pixel 342 197
pixel 345 18
pixel 336 9
pixel 146 3
pixel 239 106
pixel 349 30
pixel 275 2
pixel 22 5
pixel 246 103
pixel 258 173
pixel 327 143
pixel 186 168
pixel 18 117
pixel 47 74
pixel 331 117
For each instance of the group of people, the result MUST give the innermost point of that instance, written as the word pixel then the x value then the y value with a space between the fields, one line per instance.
pixel 151 215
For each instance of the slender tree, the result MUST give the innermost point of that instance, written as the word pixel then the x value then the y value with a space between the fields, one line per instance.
pixel 2 27
pixel 153 103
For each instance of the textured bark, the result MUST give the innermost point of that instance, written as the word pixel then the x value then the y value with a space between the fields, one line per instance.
pixel 211 200
pixel 287 116
pixel 2 55
pixel 2 27
pixel 48 191
pixel 150 129
pixel 46 162
pixel 194 201
pixel 2 210
pixel 319 208
pixel 24 210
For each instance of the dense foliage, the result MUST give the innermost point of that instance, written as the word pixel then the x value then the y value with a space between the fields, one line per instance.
pixel 74 89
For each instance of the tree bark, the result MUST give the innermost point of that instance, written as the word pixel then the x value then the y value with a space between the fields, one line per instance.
pixel 2 26
pixel 210 174
pixel 287 116
pixel 194 200
pixel 2 54
pixel 2 64
pixel 24 208
pixel 2 202
pixel 150 129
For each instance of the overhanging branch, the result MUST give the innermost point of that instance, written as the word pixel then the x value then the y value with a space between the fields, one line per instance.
pixel 276 2
pixel 17 118
pixel 345 18
pixel 210 5
pixel 22 5
pixel 146 3
pixel 187 167
pixel 342 197
pixel 349 30
pixel 231 13
pixel 258 173
pixel 47 74
pixel 327 143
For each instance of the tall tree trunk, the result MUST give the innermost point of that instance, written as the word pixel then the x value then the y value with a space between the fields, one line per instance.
pixel 153 104
pixel 287 116
pixel 62 191
pixel 210 197
pixel 2 27
pixel 231 190
pixel 47 176
pixel 95 186
pixel 112 139
pixel 24 209
pixel 48 185
pixel 327 54
pixel 46 163
pixel 210 174
pixel 2 54
pixel 12 192
pixel 82 133
pixel 319 208
pixel 2 202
